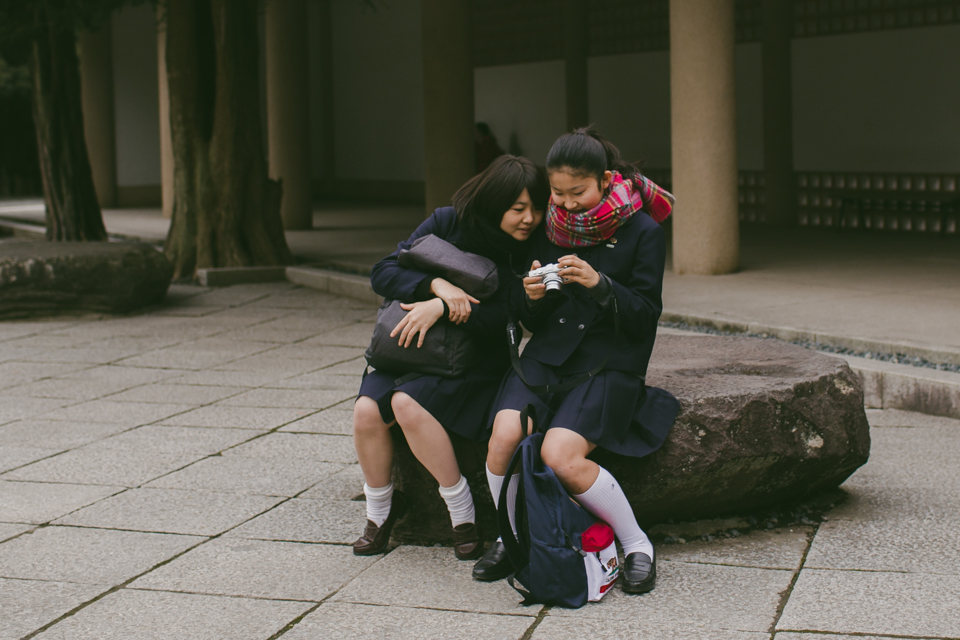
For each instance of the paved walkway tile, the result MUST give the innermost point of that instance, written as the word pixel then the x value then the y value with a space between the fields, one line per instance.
pixel 20 408
pixel 203 513
pixel 362 622
pixel 331 421
pixel 346 484
pixel 259 568
pixel 431 577
pixel 108 411
pixel 13 374
pixel 881 603
pixel 318 380
pixel 170 439
pixel 285 398
pixel 96 464
pixel 237 417
pixel 239 474
pixel 27 605
pixel 891 541
pixel 808 636
pixel 151 615
pixel 583 628
pixel 356 335
pixel 40 502
pixel 94 556
pixel 777 549
pixel 711 596
pixel 7 531
pixel 334 521
pixel 181 393
pixel 58 434
pixel 285 446
pixel 14 457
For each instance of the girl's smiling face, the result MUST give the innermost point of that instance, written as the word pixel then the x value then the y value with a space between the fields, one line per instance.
pixel 577 193
pixel 521 219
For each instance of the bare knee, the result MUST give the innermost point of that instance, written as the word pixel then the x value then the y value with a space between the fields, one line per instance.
pixel 505 438
pixel 405 409
pixel 565 462
pixel 366 417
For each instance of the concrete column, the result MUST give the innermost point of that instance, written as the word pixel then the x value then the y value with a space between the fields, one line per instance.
pixel 288 108
pixel 706 238
pixel 447 99
pixel 576 47
pixel 166 141
pixel 99 128
pixel 781 187
pixel 328 148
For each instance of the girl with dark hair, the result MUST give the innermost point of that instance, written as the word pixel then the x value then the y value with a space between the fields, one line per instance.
pixel 603 231
pixel 492 215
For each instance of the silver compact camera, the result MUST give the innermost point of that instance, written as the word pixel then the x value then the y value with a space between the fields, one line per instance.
pixel 549 274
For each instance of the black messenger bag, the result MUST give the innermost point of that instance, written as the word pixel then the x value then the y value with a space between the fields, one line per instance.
pixel 448 350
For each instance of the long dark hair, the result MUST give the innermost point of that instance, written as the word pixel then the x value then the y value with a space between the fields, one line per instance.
pixel 491 193
pixel 586 152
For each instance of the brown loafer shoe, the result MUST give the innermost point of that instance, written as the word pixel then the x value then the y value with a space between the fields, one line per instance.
pixel 466 541
pixel 375 539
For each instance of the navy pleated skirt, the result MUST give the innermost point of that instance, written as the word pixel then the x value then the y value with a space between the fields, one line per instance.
pixel 461 404
pixel 614 410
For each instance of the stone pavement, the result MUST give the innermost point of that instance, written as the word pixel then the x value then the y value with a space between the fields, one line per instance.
pixel 189 473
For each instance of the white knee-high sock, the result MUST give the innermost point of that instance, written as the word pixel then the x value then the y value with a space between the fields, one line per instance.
pixel 496 485
pixel 606 500
pixel 378 502
pixel 459 502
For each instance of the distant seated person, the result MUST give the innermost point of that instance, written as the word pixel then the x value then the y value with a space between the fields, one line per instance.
pixel 487 149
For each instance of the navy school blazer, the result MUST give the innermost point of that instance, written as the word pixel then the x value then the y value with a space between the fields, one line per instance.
pixel 488 320
pixel 573 332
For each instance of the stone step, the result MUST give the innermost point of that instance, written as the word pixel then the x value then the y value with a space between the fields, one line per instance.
pixel 342 284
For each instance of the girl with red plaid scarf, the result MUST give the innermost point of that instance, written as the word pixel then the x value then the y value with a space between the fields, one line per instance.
pixel 602 229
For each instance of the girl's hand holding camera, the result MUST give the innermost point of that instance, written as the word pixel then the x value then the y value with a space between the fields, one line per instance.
pixel 456 298
pixel 420 317
pixel 533 285
pixel 572 269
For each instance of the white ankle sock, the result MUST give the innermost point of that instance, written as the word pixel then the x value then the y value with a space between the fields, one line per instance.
pixel 378 503
pixel 606 500
pixel 496 484
pixel 459 502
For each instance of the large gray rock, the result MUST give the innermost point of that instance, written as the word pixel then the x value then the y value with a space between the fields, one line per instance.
pixel 38 278
pixel 762 422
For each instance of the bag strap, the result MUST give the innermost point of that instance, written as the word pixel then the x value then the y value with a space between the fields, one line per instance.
pixel 528 598
pixel 407 377
pixel 514 341
pixel 510 540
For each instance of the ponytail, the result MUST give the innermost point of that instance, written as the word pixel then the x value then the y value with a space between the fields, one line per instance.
pixel 586 152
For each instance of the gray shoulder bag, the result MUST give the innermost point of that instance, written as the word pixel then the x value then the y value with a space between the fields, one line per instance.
pixel 448 350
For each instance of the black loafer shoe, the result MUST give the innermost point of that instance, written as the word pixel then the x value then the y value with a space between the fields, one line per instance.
pixel 494 565
pixel 639 573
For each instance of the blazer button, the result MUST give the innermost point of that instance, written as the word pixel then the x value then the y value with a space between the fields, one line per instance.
pixel 581 327
pixel 562 320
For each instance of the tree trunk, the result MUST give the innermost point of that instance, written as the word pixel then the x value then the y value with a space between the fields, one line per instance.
pixel 226 210
pixel 73 212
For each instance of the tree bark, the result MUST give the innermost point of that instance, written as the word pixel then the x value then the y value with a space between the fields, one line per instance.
pixel 226 210
pixel 73 212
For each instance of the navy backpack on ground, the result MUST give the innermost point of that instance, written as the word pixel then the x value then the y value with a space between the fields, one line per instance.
pixel 547 553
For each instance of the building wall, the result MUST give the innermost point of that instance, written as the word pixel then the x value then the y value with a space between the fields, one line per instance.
pixel 136 106
pixel 378 80
pixel 523 104
pixel 878 101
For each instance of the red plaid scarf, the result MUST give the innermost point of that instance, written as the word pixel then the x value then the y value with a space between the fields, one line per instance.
pixel 592 227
